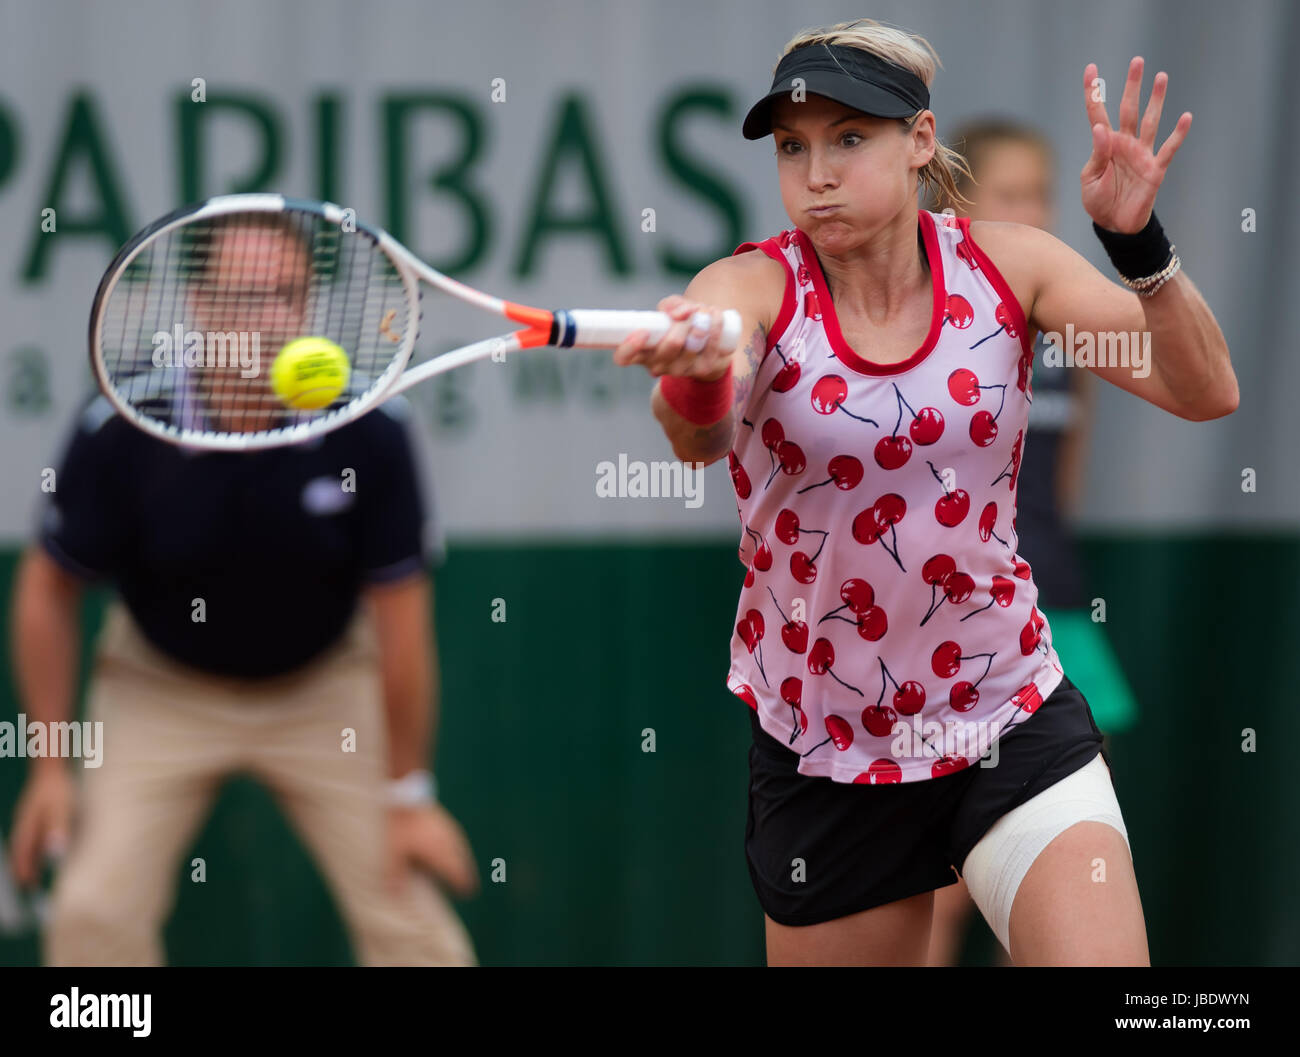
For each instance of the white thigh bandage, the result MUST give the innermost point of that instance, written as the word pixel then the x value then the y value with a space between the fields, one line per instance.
pixel 998 863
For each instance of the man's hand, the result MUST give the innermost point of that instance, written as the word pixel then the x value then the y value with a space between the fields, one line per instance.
pixel 42 820
pixel 427 837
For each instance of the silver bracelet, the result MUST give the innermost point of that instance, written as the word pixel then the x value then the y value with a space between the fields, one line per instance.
pixel 1148 285
pixel 412 790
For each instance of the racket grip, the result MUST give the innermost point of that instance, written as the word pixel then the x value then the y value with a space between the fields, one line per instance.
pixel 598 328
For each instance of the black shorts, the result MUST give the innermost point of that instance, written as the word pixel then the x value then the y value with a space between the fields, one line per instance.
pixel 862 846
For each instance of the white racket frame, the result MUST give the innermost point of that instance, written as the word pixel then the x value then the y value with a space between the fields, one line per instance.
pixel 577 328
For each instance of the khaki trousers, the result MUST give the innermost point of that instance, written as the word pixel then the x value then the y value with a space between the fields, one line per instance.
pixel 170 737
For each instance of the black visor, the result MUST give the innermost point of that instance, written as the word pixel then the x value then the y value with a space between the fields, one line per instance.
pixel 848 75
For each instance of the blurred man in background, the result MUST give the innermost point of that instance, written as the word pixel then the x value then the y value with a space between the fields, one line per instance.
pixel 274 618
pixel 1015 172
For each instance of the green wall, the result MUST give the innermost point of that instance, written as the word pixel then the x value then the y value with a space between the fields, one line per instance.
pixel 617 856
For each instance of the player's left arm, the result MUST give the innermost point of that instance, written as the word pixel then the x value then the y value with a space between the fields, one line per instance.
pixel 1191 372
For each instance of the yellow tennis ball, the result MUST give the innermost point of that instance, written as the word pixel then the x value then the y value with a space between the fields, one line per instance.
pixel 309 373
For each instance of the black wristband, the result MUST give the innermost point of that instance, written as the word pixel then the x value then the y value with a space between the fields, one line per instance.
pixel 1139 255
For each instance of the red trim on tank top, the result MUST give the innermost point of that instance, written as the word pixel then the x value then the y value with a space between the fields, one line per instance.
pixel 830 321
pixel 770 247
pixel 1000 287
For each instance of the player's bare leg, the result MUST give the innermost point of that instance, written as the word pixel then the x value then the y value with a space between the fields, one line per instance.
pixel 1078 904
pixel 952 911
pixel 897 933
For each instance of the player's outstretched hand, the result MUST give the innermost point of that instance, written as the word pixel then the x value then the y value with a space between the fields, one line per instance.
pixel 1124 172
pixel 692 348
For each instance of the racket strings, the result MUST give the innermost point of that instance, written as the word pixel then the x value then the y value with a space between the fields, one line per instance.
pixel 190 331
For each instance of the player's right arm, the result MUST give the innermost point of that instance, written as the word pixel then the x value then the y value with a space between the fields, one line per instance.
pixel 46 637
pixel 751 283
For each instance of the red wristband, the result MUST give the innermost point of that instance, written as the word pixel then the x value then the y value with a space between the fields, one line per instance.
pixel 703 403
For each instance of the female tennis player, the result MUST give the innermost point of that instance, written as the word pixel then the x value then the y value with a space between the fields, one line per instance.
pixel 910 716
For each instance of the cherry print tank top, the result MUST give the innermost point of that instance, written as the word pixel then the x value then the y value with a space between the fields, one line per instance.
pixel 887 630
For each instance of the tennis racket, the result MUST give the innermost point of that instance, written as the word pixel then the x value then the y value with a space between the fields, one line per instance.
pixel 193 310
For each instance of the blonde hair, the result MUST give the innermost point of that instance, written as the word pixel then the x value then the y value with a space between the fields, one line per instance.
pixel 942 173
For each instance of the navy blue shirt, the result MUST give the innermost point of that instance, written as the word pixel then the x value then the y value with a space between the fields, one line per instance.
pixel 278 544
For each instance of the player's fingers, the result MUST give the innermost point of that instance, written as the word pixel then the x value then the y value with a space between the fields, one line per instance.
pixel 703 328
pixel 1094 102
pixel 1151 118
pixel 681 366
pixel 668 348
pixel 632 349
pixel 687 338
pixel 677 306
pixel 1100 156
pixel 703 365
pixel 713 359
pixel 686 341
pixel 1175 140
pixel 683 310
pixel 1128 105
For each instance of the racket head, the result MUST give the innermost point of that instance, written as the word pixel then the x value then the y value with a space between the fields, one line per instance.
pixel 246 274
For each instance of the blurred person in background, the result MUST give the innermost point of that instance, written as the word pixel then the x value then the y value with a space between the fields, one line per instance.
pixel 1015 172
pixel 270 620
